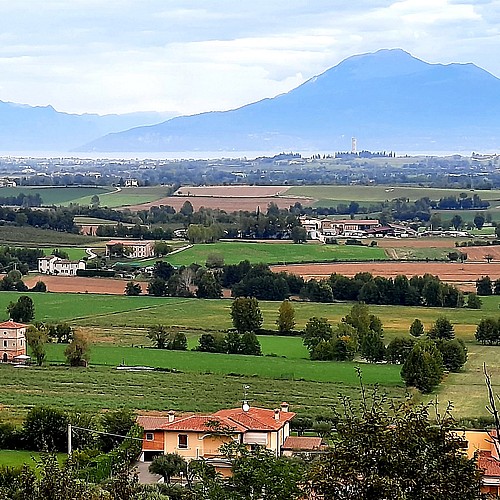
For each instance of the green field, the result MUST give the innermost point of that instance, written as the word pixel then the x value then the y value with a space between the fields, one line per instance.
pixel 275 253
pixel 333 195
pixel 28 236
pixel 212 381
pixel 73 253
pixel 108 196
pixel 57 195
pixel 130 196
pixel 117 313
pixel 17 458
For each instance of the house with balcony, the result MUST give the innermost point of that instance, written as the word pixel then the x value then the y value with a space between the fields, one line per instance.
pixel 201 436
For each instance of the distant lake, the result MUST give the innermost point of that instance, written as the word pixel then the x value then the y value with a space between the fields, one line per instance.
pixel 193 155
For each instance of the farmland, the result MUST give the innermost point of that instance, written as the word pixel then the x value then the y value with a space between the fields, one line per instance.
pixel 34 237
pixel 115 313
pixel 108 196
pixel 333 195
pixel 234 252
pixel 58 195
pixel 115 323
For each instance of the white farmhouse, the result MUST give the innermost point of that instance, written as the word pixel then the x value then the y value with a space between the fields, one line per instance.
pixel 60 267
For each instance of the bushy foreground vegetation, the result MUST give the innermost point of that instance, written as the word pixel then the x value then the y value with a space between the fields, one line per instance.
pixel 412 453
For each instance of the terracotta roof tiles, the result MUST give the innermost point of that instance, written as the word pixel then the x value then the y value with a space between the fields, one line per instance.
pixel 11 324
pixel 303 443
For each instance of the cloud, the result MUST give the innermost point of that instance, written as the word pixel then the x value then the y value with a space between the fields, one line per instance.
pixel 189 56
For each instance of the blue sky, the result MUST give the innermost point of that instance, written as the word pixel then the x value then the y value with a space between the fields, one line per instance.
pixel 185 56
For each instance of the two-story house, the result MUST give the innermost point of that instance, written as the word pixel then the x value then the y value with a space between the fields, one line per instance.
pixel 12 341
pixel 60 267
pixel 201 436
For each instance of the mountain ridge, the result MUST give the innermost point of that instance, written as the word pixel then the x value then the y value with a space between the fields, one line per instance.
pixel 388 99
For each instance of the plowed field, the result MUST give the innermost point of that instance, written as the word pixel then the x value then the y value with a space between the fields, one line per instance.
pixel 76 284
pixel 464 275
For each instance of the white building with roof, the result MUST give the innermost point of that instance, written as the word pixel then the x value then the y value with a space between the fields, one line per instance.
pixel 60 267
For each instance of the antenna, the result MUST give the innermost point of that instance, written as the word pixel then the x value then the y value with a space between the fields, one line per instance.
pixel 245 407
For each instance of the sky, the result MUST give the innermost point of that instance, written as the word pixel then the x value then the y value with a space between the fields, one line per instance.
pixel 187 57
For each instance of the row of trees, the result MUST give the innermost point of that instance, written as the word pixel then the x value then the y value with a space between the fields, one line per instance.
pixel 426 290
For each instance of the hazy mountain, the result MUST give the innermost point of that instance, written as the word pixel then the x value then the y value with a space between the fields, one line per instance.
pixel 389 100
pixel 42 128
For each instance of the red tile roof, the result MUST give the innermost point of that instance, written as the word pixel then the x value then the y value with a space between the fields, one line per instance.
pixel 490 465
pixel 201 423
pixel 11 324
pixel 302 443
pixel 257 419
pixel 151 423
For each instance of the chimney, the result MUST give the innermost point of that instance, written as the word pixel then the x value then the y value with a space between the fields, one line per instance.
pixel 284 407
pixel 276 414
pixel 171 416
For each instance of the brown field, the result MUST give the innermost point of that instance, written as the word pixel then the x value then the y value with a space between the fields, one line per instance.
pixel 232 191
pixel 226 203
pixel 416 242
pixel 76 284
pixel 479 253
pixel 463 275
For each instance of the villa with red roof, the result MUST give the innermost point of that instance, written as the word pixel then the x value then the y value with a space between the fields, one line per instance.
pixel 12 341
pixel 482 444
pixel 200 436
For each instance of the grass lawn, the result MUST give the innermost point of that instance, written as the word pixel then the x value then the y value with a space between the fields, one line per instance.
pixel 57 195
pixel 17 458
pixel 274 253
pixel 332 195
pixel 266 367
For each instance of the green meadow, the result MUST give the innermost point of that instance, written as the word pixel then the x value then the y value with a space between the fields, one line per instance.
pixel 193 381
pixel 116 313
pixel 275 253
pixel 333 195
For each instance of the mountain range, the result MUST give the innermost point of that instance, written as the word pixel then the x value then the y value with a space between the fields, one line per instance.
pixel 42 128
pixel 388 100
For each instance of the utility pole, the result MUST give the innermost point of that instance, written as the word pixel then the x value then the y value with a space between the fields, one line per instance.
pixel 69 441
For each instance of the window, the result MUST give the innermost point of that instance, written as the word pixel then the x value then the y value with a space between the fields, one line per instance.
pixel 5 343
pixel 183 441
pixel 149 436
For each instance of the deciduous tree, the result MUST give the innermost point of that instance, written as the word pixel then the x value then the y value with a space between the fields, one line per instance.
pixel 37 338
pixel 246 314
pixel 286 318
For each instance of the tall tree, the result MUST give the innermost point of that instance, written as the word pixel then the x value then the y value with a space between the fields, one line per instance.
pixel 22 310
pixel 37 339
pixel 423 367
pixel 158 335
pixel 78 351
pixel 286 318
pixel 246 314
pixel 442 329
pixel 416 328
